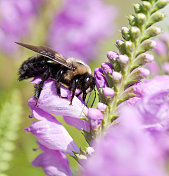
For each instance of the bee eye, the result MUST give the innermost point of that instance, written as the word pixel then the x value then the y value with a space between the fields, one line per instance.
pixel 87 79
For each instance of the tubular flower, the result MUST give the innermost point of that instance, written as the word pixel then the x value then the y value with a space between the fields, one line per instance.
pixel 53 162
pixel 50 133
pixel 157 84
pixel 12 13
pixel 79 23
pixel 125 142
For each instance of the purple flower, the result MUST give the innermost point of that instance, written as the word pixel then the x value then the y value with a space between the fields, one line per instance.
pixel 108 92
pixel 153 67
pixel 144 72
pixel 154 109
pixel 53 162
pixel 78 123
pixel 165 67
pixel 126 142
pixel 123 59
pixel 95 118
pixel 107 67
pixel 159 83
pixel 51 103
pixel 102 107
pixel 112 55
pixel 152 104
pixel 76 30
pixel 162 48
pixel 15 21
pixel 51 133
pixel 100 79
pixel 116 76
pixel 149 57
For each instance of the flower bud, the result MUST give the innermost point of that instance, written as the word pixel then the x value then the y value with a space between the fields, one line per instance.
pixel 123 59
pixel 108 92
pixel 125 33
pixel 101 106
pixel 146 45
pixel 161 4
pixel 107 68
pixel 111 55
pixel 137 74
pixel 120 46
pixel 89 151
pixel 148 57
pixel 141 18
pixel 95 117
pixel 116 76
pixel 137 8
pixel 135 32
pixel 132 20
pixel 156 17
pixel 100 79
pixel 151 32
pixel 129 46
pixel 143 72
pixel 81 158
pixel 146 6
pixel 128 93
pixel 143 59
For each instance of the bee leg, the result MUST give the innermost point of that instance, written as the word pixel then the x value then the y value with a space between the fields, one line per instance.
pixel 58 89
pixel 84 96
pixel 58 79
pixel 79 93
pixel 39 87
pixel 73 88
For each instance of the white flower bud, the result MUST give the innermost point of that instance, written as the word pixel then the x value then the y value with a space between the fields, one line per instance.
pixel 89 151
pixel 141 18
pixel 146 5
pixel 135 32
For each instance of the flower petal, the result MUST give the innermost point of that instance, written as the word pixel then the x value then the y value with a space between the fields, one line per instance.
pixel 50 102
pixel 53 163
pixel 78 123
pixel 52 133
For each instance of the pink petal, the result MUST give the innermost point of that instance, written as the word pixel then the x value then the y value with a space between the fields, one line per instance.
pixel 53 163
pixel 78 123
pixel 50 102
pixel 52 133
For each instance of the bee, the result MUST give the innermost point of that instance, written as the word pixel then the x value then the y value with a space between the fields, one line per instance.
pixel 50 64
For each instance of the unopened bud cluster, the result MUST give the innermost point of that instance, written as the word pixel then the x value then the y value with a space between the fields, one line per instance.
pixel 125 68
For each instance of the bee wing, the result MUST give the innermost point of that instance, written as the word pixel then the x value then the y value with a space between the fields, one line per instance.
pixel 47 52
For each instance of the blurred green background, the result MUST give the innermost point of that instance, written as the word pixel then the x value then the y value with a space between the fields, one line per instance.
pixel 17 145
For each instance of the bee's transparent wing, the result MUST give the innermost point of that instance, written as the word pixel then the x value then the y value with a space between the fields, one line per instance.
pixel 47 52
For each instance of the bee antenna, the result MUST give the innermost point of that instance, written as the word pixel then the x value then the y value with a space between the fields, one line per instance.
pixel 94 97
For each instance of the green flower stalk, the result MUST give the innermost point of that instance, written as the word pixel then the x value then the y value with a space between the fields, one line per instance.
pixel 10 114
pixel 128 64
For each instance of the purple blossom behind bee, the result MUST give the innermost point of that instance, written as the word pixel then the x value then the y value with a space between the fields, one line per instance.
pixel 15 21
pixel 79 26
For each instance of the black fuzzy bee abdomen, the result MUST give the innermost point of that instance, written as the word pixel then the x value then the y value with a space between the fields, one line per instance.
pixel 34 66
